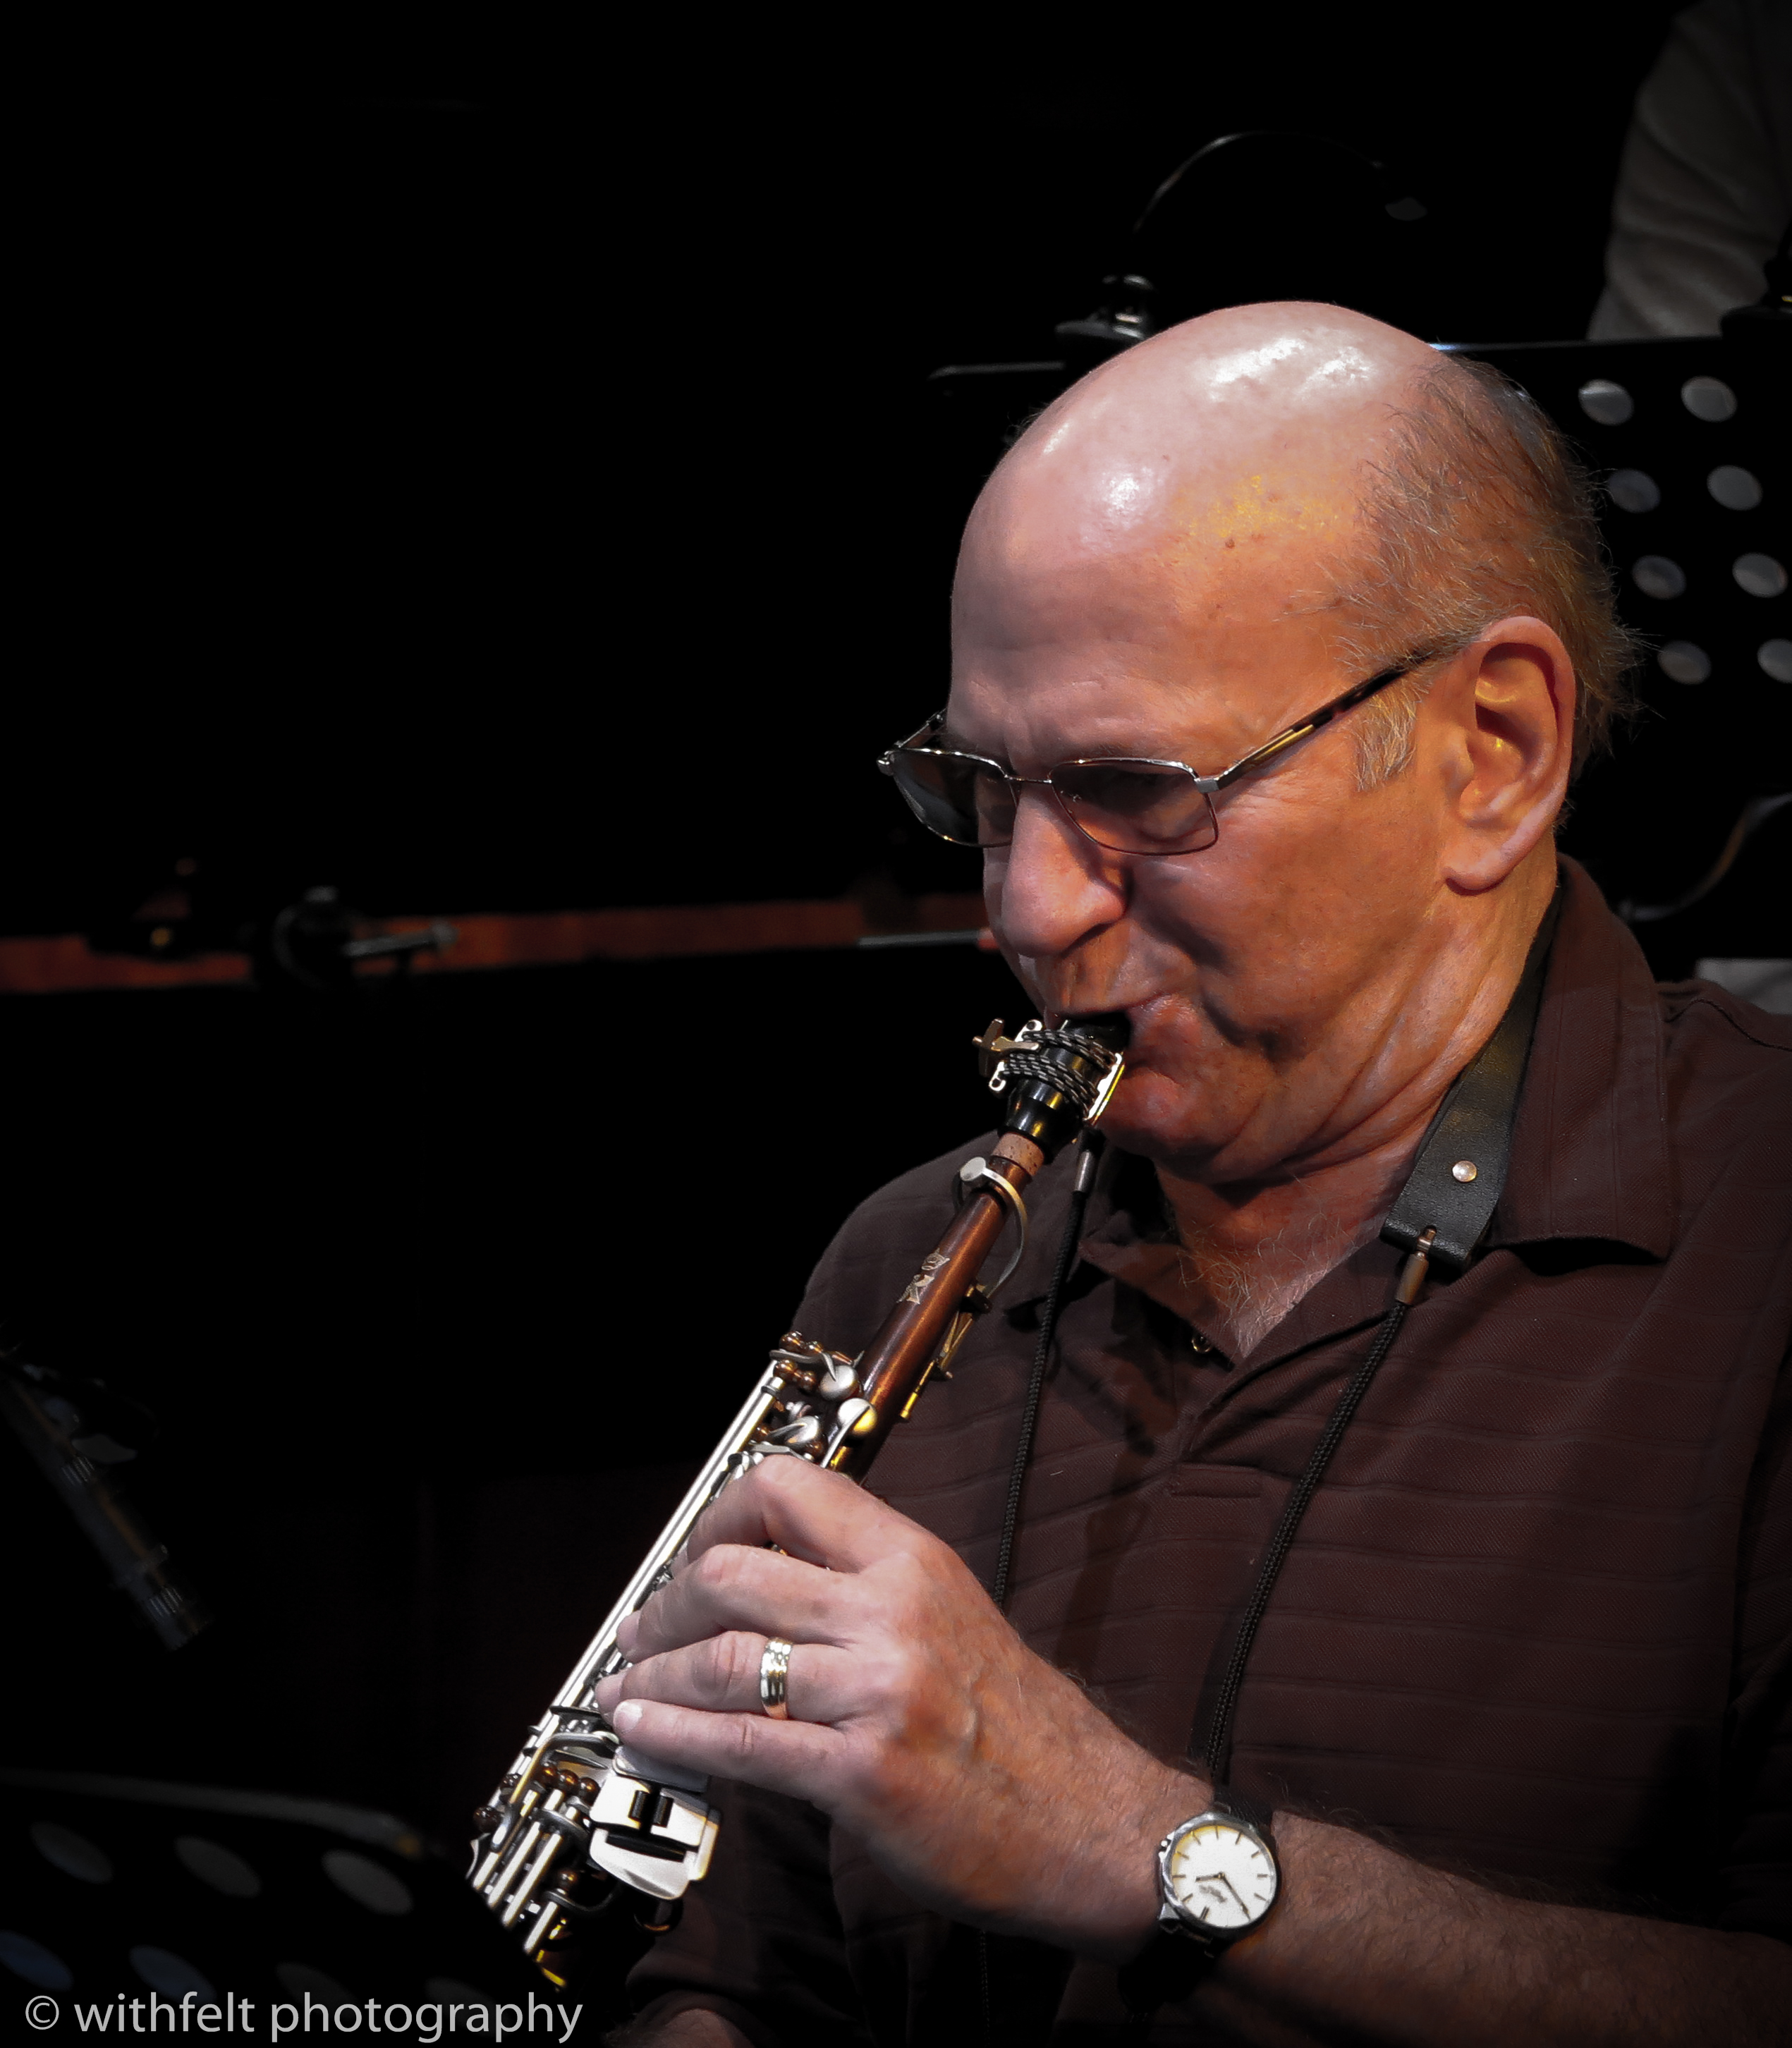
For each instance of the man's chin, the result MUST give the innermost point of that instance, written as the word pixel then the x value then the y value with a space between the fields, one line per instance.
pixel 1159 1120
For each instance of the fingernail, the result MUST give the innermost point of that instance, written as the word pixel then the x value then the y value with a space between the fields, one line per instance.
pixel 624 1719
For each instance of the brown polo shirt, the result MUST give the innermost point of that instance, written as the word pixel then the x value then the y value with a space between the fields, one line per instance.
pixel 1537 1622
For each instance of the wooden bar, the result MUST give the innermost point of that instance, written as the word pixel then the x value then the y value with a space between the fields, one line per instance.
pixel 488 941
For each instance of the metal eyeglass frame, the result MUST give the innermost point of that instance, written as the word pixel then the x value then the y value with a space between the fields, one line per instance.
pixel 1209 785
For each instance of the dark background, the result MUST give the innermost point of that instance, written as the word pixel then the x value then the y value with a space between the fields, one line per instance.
pixel 445 430
pixel 484 469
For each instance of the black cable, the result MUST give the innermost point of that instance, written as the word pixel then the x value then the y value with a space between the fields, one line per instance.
pixel 1042 1362
pixel 1219 1742
pixel 1023 1448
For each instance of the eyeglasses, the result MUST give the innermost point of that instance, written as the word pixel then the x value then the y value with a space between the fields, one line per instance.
pixel 1157 808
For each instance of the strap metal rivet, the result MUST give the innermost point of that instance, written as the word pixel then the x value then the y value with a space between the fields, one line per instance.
pixel 1464 1169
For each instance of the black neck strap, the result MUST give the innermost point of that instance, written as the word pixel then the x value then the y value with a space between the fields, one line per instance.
pixel 1442 1212
pixel 1461 1171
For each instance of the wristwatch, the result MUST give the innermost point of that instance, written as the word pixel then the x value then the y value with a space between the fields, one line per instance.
pixel 1217 1879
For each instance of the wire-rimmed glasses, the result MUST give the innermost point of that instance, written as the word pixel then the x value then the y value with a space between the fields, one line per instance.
pixel 1123 803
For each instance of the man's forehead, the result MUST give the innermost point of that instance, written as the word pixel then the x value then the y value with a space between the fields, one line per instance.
pixel 1261 545
pixel 1134 520
pixel 1076 678
pixel 1217 608
pixel 1217 708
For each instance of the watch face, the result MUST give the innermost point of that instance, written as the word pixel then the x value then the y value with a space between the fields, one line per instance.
pixel 1220 1875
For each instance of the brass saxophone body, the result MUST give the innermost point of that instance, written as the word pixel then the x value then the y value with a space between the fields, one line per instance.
pixel 579 1829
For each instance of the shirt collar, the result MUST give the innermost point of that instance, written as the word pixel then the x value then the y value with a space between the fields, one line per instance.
pixel 1590 1157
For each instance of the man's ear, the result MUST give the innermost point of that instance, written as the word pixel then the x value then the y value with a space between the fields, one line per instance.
pixel 1506 744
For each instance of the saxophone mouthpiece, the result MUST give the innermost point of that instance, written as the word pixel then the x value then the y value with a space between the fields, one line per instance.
pixel 1057 1080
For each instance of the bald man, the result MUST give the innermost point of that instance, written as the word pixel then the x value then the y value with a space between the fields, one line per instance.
pixel 1510 1747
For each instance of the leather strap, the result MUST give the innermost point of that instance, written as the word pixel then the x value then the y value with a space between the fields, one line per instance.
pixel 1473 1129
pixel 1226 1801
pixel 1164 1972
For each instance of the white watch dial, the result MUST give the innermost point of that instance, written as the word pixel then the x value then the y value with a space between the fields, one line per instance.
pixel 1221 1876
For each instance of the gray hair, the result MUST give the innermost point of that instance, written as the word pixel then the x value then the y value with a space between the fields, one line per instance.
pixel 1475 509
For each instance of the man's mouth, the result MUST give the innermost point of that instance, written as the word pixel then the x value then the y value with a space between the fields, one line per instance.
pixel 1113 1027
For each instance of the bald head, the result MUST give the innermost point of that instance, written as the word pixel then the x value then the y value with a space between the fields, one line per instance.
pixel 1177 521
pixel 1310 477
pixel 1228 451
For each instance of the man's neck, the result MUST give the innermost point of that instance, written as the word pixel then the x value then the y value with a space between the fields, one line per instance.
pixel 1249 1253
pixel 1252 1249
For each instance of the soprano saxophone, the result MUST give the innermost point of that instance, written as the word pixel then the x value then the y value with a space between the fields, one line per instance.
pixel 578 1826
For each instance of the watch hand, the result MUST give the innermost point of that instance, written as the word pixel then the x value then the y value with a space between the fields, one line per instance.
pixel 1219 1877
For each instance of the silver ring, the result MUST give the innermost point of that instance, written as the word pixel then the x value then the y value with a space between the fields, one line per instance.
pixel 774 1678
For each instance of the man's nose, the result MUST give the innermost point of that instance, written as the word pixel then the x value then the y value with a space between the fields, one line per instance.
pixel 1055 886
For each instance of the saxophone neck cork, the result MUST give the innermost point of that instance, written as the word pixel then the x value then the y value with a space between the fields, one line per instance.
pixel 1021 1151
